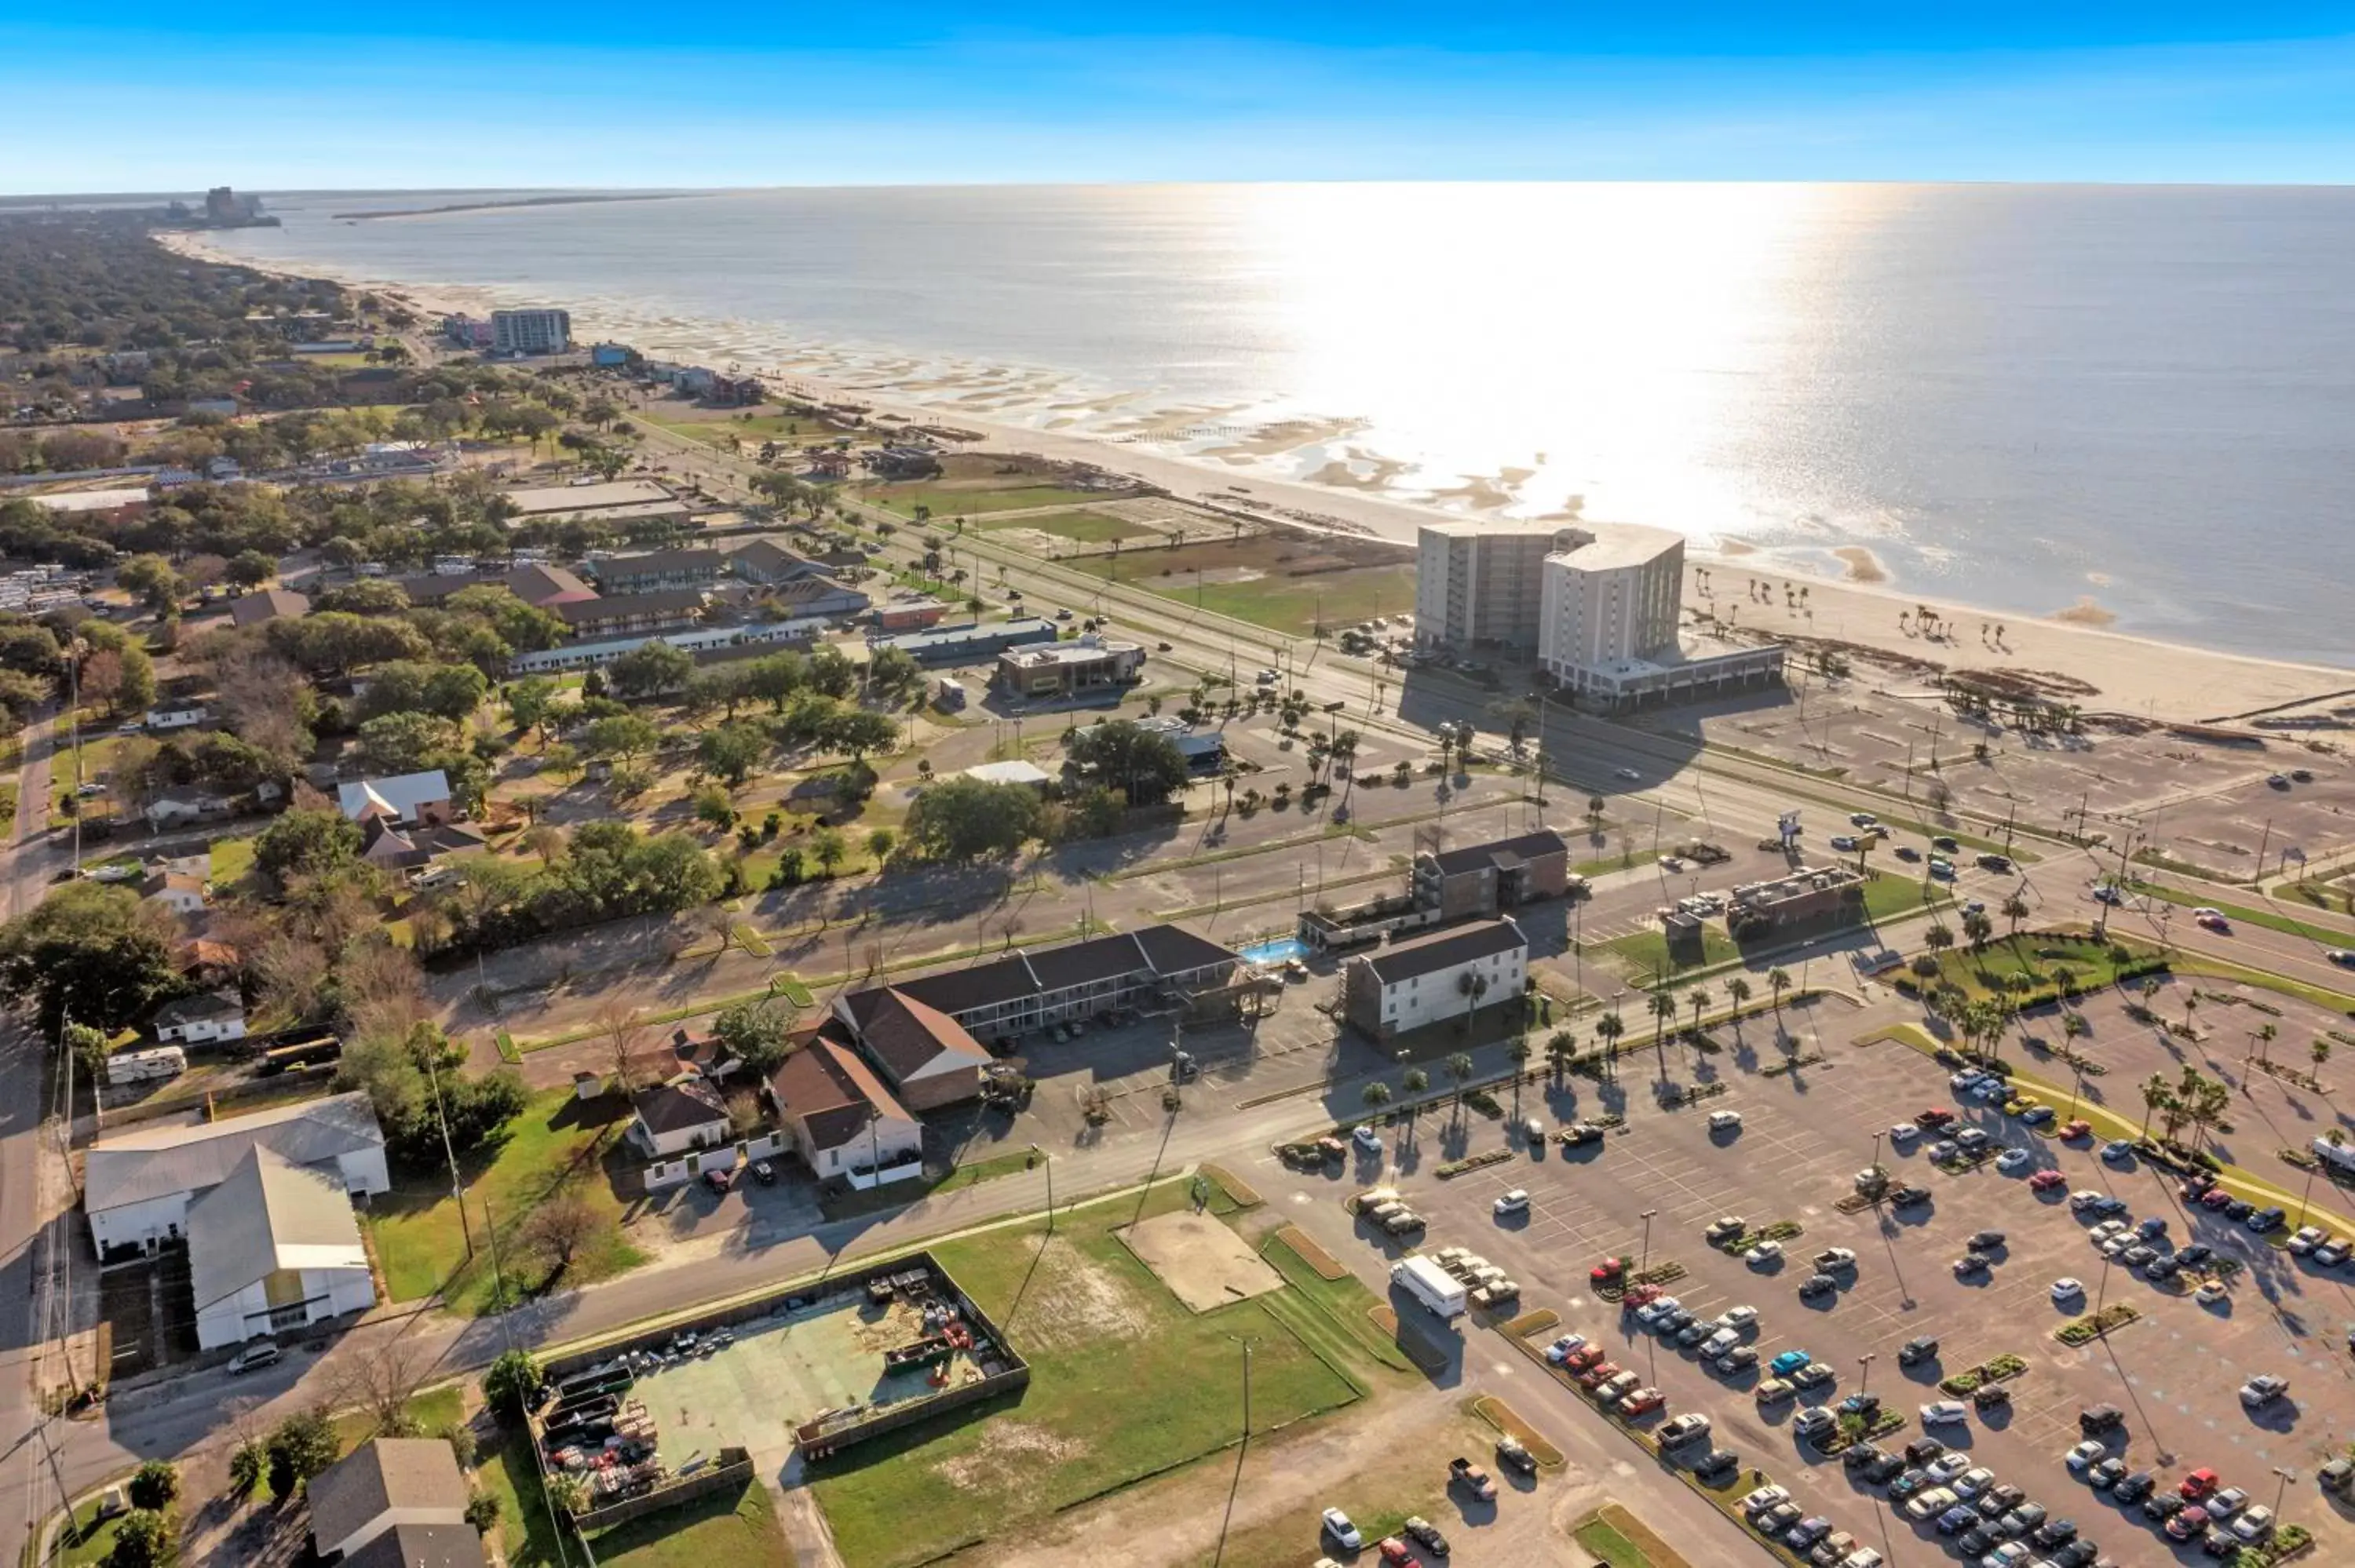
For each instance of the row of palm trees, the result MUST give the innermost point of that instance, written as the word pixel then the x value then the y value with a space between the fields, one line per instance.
pixel 2194 1100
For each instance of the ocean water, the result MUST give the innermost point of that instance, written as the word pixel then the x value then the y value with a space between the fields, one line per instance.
pixel 2140 400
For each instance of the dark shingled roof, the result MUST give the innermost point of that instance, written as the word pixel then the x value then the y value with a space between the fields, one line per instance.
pixel 684 603
pixel 1444 949
pixel 421 1546
pixel 675 1107
pixel 1474 857
pixel 659 561
pixel 907 1035
pixel 835 1093
pixel 1157 949
pixel 380 1474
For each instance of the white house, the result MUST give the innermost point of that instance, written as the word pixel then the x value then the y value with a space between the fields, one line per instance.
pixel 138 1184
pixel 180 807
pixel 274 1247
pixel 204 1020
pixel 176 890
pixel 1435 979
pixel 683 1115
pixel 406 800
pixel 841 1119
pixel 387 1487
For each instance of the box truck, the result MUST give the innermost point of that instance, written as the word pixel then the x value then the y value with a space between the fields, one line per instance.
pixel 1429 1284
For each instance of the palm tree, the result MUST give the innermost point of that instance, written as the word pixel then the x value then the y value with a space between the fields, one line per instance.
pixel 1376 1094
pixel 2190 1001
pixel 2265 1036
pixel 2073 1025
pixel 1474 985
pixel 1978 928
pixel 2155 1097
pixel 1559 1048
pixel 1738 988
pixel 1518 1053
pixel 1699 997
pixel 2320 1052
pixel 1609 1027
pixel 1459 1068
pixel 2064 981
pixel 1938 937
pixel 2015 909
pixel 1663 1003
pixel 1778 981
pixel 1415 1082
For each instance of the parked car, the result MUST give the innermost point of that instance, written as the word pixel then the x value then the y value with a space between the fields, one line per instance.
pixel 253 1358
pixel 1425 1534
pixel 1944 1413
pixel 1472 1478
pixel 1921 1347
pixel 1343 1534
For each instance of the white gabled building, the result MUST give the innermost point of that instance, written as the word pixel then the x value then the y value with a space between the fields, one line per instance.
pixel 139 1185
pixel 1447 975
pixel 207 1019
pixel 274 1247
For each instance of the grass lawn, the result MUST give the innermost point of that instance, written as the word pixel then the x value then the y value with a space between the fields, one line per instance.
pixel 1081 527
pixel 2034 954
pixel 741 1532
pixel 1295 605
pixel 82 1548
pixel 1890 897
pixel 557 1138
pixel 950 502
pixel 2273 919
pixel 1648 950
pixel 1124 1382
pixel 433 1412
pixel 2320 896
pixel 232 858
pixel 789 429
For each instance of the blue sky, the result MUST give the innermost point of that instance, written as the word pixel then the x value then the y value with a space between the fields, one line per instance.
pixel 491 94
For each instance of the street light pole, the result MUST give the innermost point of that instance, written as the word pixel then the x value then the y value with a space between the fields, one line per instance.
pixel 1864 1370
pixel 2287 1476
pixel 1051 1186
pixel 1645 1256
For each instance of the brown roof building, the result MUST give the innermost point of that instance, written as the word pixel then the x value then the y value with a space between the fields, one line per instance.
pixel 385 1484
pixel 841 1118
pixel 270 604
pixel 928 1056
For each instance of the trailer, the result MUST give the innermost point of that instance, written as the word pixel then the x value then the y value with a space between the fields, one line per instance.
pixel 146 1066
pixel 1429 1284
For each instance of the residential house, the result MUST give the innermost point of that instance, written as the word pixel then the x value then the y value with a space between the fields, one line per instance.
pixel 1447 975
pixel 404 849
pixel 409 799
pixel 273 1247
pixel 840 1116
pixel 658 570
pixel 176 890
pixel 208 961
pixel 680 1116
pixel 209 1018
pixel 179 808
pixel 1159 965
pixel 270 604
pixel 421 1546
pixel 138 1184
pixel 381 1486
pixel 624 614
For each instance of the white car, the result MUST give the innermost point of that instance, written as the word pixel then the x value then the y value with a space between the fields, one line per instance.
pixel 1764 1252
pixel 1725 1121
pixel 2106 1230
pixel 1842 842
pixel 2262 1390
pixel 1737 1318
pixel 2253 1524
pixel 1944 1413
pixel 1965 1079
pixel 2012 1160
pixel 2210 1293
pixel 2307 1238
pixel 1904 1132
pixel 2084 1455
pixel 1516 1201
pixel 1652 1311
pixel 1929 1504
pixel 1765 1497
pixel 2207 909
pixel 2067 1289
pixel 1562 1350
pixel 1627 773
pixel 1343 1534
pixel 1367 1139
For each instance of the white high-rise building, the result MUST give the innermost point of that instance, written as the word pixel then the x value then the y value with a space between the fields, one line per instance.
pixel 1612 598
pixel 531 332
pixel 1476 584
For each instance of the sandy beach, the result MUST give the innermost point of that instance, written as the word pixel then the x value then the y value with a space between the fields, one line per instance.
pixel 2108 671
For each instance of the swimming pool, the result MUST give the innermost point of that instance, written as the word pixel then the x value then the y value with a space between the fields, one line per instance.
pixel 1276 950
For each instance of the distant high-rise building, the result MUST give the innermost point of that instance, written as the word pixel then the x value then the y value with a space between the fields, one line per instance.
pixel 1476 584
pixel 531 332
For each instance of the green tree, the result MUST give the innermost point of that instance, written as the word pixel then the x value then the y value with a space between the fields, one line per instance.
pixel 145 1538
pixel 155 1485
pixel 1663 1005
pixel 305 842
pixel 530 703
pixel 1977 928
pixel 451 691
pixel 251 568
pixel 1459 1071
pixel 827 848
pixel 624 736
pixel 757 1033
pixel 1375 1094
pixel 1143 764
pixel 152 581
pixel 300 1447
pixel 90 951
pixel 880 842
pixel 960 820
pixel 513 1385
pixel 731 752
pixel 483 1512
pixel 407 742
pixel 654 667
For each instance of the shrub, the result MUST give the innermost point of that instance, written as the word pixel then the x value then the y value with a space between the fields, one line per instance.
pixel 146 1539
pixel 513 1384
pixel 483 1512
pixel 247 1466
pixel 155 1485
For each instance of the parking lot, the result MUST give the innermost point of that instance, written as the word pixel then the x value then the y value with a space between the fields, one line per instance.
pixel 1805 1134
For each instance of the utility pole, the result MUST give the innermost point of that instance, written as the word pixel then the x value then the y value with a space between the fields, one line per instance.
pixel 457 1189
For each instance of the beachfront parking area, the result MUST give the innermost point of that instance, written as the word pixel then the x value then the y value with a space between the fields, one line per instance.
pixel 1805 1134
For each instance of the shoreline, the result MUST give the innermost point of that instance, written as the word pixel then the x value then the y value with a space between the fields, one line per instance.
pixel 1860 607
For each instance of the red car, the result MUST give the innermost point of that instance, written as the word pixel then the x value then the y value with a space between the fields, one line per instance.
pixel 1394 1549
pixel 1936 1115
pixel 1598 1374
pixel 2045 1181
pixel 2200 1484
pixel 1581 1360
pixel 2216 1197
pixel 1643 1402
pixel 718 1181
pixel 2077 1129
pixel 1609 1269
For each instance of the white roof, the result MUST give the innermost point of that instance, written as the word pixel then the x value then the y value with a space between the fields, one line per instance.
pixel 1015 772
pixel 1621 544
pixel 90 500
pixel 268 1213
pixel 401 796
pixel 144 1162
pixel 586 497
